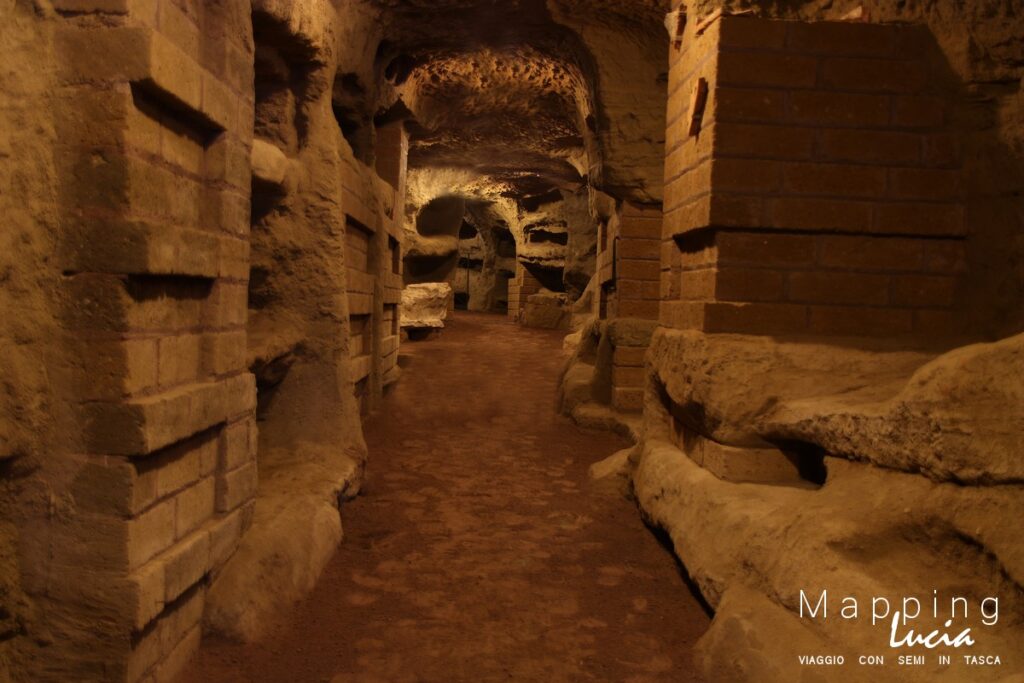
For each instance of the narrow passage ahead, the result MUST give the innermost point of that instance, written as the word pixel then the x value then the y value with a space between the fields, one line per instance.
pixel 479 549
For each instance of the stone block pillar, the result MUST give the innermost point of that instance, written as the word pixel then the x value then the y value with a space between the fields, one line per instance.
pixel 154 165
pixel 812 184
pixel 519 288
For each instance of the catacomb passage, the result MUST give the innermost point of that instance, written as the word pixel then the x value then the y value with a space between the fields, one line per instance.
pixel 529 340
pixel 481 549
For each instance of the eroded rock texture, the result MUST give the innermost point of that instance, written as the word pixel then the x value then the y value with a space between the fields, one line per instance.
pixel 791 441
pixel 549 111
pixel 785 237
pixel 425 305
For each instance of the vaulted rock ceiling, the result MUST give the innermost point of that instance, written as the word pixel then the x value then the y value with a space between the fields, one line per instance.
pixel 519 95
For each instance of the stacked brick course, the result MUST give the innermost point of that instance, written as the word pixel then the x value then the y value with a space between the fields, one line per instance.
pixel 819 192
pixel 519 288
pixel 627 262
pixel 156 132
pixel 628 272
pixel 628 378
pixel 392 161
pixel 373 261
pixel 156 127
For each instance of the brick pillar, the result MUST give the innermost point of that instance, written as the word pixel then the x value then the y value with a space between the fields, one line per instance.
pixel 628 270
pixel 373 261
pixel 812 186
pixel 392 160
pixel 636 252
pixel 519 288
pixel 155 196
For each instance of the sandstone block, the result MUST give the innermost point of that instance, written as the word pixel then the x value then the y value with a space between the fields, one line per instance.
pixel 186 563
pixel 150 533
pixel 547 310
pixel 729 463
pixel 148 592
pixel 839 288
pixel 235 449
pixel 226 532
pixel 269 163
pixel 194 506
pixel 425 305
pixel 236 487
pixel 172 667
pixel 143 426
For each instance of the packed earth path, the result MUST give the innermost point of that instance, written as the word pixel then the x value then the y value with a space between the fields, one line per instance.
pixel 479 548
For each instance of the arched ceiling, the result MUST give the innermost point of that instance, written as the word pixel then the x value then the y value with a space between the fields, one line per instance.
pixel 525 95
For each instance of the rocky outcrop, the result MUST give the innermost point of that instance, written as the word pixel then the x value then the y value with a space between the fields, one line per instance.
pixel 295 531
pixel 547 310
pixel 725 384
pixel 425 305
pixel 751 549
pixel 476 249
pixel 957 418
pixel 948 417
pixel 859 428
pixel 310 451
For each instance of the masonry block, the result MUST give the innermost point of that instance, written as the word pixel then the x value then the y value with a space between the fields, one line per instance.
pixel 186 563
pixel 150 533
pixel 832 175
pixel 226 532
pixel 629 356
pixel 627 400
pixel 235 447
pixel 194 506
pixel 236 487
pixel 143 426
pixel 148 592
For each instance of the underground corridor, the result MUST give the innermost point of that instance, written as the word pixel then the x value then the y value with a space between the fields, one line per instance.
pixel 385 341
pixel 479 547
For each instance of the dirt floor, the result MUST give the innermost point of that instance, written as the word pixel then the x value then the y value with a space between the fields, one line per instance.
pixel 479 549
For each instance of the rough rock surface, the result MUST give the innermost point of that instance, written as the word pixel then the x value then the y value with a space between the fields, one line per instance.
pixel 269 163
pixel 950 418
pixel 295 532
pixel 547 310
pixel 957 418
pixel 425 305
pixel 310 451
pixel 461 229
pixel 896 415
pixel 539 114
pixel 742 643
pixel 724 384
pixel 937 536
pixel 38 366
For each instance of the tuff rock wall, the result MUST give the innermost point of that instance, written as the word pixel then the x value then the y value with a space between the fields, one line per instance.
pixel 807 282
pixel 830 392
pixel 199 292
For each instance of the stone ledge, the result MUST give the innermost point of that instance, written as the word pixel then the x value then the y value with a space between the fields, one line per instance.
pixel 146 425
pixel 143 56
pixel 136 247
pixel 295 531
pixel 597 416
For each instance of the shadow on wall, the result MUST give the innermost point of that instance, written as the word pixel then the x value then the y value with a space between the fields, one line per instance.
pixel 775 456
pixel 462 242
pixel 977 48
pixel 310 449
